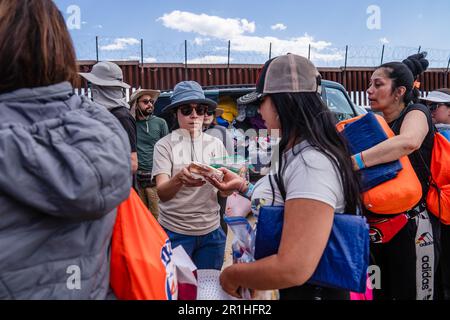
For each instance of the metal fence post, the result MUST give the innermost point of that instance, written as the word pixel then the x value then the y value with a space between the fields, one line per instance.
pixel 382 55
pixel 141 78
pixel 96 47
pixel 228 66
pixel 142 52
pixel 270 51
pixel 309 51
pixel 346 57
pixel 185 61
pixel 344 73
pixel 446 73
pixel 420 48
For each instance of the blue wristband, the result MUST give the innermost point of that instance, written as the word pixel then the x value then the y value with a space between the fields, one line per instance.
pixel 249 192
pixel 359 161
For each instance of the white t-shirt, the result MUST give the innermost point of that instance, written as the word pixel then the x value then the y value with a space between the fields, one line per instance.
pixel 309 175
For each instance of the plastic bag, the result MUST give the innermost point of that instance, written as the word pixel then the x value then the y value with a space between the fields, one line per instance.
pixel 237 206
pixel 186 273
pixel 243 245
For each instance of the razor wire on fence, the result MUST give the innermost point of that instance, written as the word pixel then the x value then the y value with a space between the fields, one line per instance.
pixel 163 52
pixel 243 51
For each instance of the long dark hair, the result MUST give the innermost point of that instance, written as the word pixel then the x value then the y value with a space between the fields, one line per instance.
pixel 405 73
pixel 304 116
pixel 36 49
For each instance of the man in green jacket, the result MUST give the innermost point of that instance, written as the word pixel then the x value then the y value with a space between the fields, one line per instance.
pixel 149 130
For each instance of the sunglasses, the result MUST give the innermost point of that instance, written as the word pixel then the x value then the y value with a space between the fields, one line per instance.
pixel 199 110
pixel 435 106
pixel 146 102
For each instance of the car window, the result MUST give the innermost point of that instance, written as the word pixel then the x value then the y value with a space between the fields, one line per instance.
pixel 337 102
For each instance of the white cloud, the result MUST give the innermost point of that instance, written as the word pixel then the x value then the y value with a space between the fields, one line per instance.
pixel 200 41
pixel 150 60
pixel 384 40
pixel 120 44
pixel 320 50
pixel 278 26
pixel 327 57
pixel 210 59
pixel 146 60
pixel 206 25
pixel 238 30
pixel 83 22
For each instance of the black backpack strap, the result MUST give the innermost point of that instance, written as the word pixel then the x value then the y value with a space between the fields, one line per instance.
pixel 280 187
pixel 273 189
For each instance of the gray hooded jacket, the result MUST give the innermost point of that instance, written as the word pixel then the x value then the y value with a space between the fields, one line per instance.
pixel 64 168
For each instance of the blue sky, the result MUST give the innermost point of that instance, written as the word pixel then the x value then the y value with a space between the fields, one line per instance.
pixel 290 25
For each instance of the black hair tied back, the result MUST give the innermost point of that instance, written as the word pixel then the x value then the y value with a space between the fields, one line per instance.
pixel 417 64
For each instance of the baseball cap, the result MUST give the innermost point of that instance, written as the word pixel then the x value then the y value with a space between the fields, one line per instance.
pixel 285 74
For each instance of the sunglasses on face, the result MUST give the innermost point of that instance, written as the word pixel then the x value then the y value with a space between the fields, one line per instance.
pixel 146 102
pixel 435 106
pixel 199 110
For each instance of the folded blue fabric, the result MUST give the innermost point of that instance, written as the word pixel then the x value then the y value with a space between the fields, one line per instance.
pixel 362 135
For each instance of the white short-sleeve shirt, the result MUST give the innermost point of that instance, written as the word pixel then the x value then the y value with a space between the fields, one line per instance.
pixel 309 174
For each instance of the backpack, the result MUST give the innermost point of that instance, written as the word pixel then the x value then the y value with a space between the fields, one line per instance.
pixel 438 197
pixel 394 196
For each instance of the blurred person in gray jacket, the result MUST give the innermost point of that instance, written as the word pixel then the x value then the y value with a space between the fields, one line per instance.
pixel 64 164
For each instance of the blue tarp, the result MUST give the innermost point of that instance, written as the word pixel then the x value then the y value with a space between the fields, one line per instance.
pixel 363 134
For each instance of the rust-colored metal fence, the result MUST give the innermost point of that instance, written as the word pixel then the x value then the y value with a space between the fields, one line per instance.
pixel 166 76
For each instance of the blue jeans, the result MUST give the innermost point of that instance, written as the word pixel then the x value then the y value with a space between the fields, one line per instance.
pixel 207 252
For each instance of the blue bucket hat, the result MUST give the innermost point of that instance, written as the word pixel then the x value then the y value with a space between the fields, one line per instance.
pixel 188 92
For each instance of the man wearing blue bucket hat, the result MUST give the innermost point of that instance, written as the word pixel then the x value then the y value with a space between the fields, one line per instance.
pixel 189 210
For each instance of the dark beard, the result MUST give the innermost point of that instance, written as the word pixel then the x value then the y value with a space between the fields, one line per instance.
pixel 146 113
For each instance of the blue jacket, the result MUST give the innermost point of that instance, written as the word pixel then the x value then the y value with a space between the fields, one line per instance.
pixel 64 167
